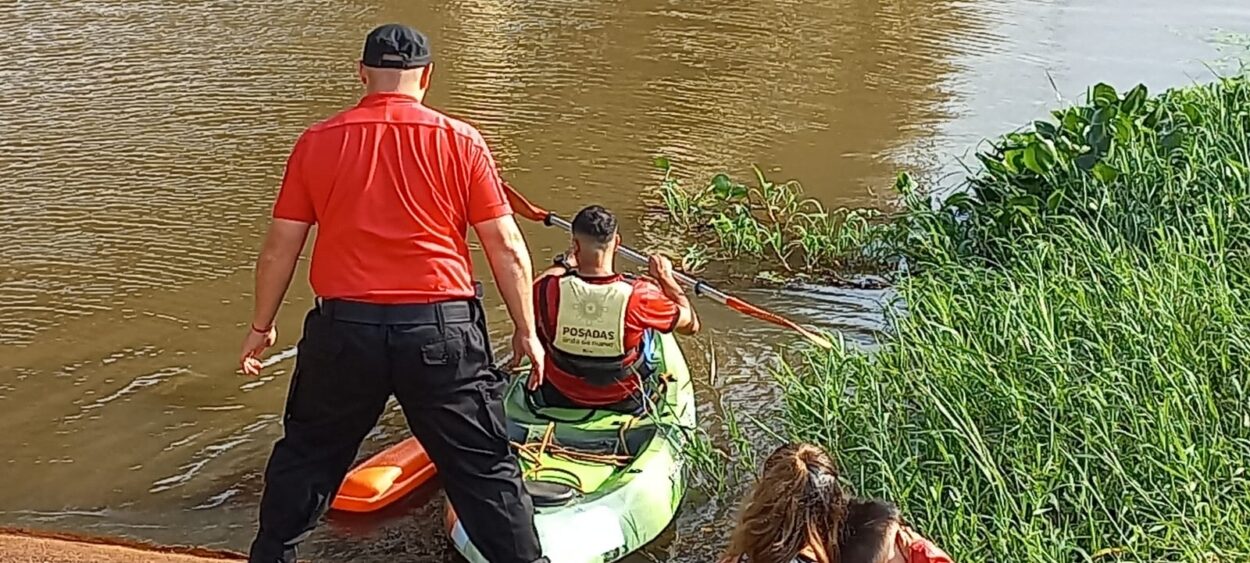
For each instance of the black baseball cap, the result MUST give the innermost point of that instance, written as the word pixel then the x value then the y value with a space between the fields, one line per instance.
pixel 396 46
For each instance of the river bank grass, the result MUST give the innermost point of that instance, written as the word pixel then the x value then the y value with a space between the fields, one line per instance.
pixel 1069 380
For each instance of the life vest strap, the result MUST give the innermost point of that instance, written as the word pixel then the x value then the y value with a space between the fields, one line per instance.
pixel 599 372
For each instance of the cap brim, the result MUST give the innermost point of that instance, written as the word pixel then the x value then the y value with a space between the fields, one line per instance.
pixel 397 63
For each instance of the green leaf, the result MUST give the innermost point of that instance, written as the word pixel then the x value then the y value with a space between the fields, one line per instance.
pixel 1123 127
pixel 1105 173
pixel 1013 160
pixel 1048 147
pixel 1193 112
pixel 1038 159
pixel 1135 99
pixel 1087 161
pixel 1073 123
pixel 1238 167
pixel 1045 129
pixel 725 189
pixel 904 184
pixel 1104 95
pixel 960 201
pixel 662 163
pixel 1098 138
pixel 1054 200
pixel 1104 115
pixel 1173 139
pixel 1025 204
pixel 993 165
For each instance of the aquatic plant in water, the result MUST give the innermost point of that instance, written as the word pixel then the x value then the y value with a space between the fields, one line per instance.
pixel 773 224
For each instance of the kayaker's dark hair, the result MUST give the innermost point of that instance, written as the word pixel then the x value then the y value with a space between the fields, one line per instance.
pixel 797 503
pixel 866 531
pixel 595 224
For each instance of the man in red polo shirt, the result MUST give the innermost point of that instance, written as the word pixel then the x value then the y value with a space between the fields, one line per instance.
pixel 592 320
pixel 393 186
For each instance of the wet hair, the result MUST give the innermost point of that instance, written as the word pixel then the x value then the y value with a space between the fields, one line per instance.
pixel 798 502
pixel 866 531
pixel 595 224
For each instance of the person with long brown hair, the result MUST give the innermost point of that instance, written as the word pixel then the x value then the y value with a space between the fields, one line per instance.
pixel 795 512
pixel 798 512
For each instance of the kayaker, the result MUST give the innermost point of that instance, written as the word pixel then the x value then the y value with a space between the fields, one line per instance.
pixel 592 320
pixel 794 513
pixel 393 186
pixel 798 512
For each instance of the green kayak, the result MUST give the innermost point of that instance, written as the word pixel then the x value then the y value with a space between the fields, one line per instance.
pixel 604 483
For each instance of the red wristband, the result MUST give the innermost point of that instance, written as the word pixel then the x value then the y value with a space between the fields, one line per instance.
pixel 262 331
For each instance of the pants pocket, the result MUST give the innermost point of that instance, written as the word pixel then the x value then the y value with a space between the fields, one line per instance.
pixel 492 416
pixel 316 357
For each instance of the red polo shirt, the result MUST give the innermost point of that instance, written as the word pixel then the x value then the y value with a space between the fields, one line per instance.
pixel 393 187
pixel 647 308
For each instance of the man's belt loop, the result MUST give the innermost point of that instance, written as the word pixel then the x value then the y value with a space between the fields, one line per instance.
pixel 442 320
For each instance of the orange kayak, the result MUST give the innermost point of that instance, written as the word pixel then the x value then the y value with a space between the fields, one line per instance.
pixel 385 478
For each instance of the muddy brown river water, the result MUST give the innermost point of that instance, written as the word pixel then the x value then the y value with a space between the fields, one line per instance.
pixel 141 142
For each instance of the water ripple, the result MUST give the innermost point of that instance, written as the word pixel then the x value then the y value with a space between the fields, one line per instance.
pixel 199 460
pixel 138 175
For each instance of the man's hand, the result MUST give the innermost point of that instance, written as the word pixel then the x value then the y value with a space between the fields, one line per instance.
pixel 526 345
pixel 274 268
pixel 661 268
pixel 255 344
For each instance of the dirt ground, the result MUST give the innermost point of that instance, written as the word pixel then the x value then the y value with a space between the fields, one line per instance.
pixel 23 546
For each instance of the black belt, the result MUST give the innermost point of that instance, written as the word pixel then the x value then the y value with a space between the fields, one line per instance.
pixel 445 312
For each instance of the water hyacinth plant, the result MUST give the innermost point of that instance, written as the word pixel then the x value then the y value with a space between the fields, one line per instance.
pixel 773 224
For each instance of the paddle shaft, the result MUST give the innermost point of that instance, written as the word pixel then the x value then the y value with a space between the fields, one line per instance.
pixel 700 287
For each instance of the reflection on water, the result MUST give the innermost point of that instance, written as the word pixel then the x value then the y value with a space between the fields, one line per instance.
pixel 143 140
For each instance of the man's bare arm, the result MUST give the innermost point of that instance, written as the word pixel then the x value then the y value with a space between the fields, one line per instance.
pixel 509 259
pixel 661 269
pixel 275 267
pixel 687 319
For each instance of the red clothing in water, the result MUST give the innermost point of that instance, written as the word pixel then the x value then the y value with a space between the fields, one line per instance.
pixel 648 308
pixel 393 186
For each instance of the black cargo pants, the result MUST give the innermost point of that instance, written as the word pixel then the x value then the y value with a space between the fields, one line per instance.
pixel 436 360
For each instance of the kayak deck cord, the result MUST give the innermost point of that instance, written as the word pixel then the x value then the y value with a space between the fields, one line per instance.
pixel 533 452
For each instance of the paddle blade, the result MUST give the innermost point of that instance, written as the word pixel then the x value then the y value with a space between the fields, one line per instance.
pixel 766 316
pixel 523 206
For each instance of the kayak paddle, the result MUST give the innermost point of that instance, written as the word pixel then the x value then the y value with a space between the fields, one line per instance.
pixel 700 287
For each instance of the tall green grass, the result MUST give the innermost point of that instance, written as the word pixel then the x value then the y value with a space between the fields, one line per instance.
pixel 1068 381
pixel 1086 401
